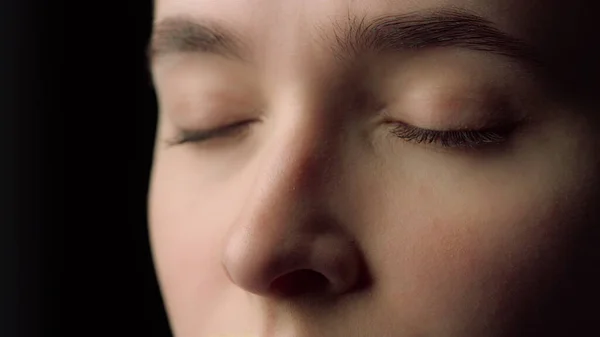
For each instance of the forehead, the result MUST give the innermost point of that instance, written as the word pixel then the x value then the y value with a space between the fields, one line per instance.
pixel 279 30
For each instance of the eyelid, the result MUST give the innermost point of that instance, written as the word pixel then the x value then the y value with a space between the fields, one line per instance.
pixel 452 138
pixel 197 136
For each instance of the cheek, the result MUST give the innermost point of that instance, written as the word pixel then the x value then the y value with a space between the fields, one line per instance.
pixel 188 220
pixel 465 248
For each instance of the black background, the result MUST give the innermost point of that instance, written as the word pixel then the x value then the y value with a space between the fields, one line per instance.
pixel 77 120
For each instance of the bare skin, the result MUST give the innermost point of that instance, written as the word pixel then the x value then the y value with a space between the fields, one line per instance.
pixel 314 210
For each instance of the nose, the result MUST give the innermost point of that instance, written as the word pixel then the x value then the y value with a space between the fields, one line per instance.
pixel 286 241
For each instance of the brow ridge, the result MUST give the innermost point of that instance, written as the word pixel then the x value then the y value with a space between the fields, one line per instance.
pixel 446 27
pixel 441 27
pixel 183 34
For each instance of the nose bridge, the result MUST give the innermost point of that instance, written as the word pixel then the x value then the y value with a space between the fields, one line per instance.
pixel 298 158
pixel 300 151
pixel 290 177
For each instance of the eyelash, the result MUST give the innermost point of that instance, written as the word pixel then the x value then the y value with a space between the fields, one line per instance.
pixel 444 138
pixel 466 138
pixel 199 136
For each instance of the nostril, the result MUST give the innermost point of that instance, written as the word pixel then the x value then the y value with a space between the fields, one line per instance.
pixel 300 282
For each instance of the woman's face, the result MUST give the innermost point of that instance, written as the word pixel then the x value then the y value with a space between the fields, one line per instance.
pixel 372 168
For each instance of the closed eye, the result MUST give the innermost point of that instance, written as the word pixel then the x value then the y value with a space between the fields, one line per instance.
pixel 460 138
pixel 198 136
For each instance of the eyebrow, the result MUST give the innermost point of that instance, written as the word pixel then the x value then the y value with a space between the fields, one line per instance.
pixel 182 34
pixel 446 27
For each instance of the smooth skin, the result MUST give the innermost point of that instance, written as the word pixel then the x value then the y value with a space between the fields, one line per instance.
pixel 311 217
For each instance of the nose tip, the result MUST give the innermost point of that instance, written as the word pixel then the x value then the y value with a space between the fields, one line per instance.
pixel 326 264
pixel 286 239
